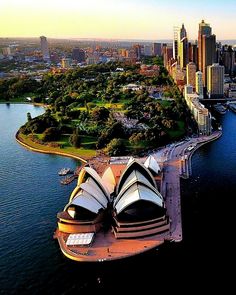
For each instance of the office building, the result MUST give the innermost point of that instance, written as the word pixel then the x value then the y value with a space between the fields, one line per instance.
pixel 44 48
pixel 156 49
pixel 206 49
pixel 193 53
pixel 182 48
pixel 147 50
pixel 228 59
pixel 191 74
pixel 175 43
pixel 199 84
pixel 215 81
pixel 167 54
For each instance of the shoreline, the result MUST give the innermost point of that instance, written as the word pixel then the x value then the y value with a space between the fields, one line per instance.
pixel 199 142
pixel 34 149
pixel 215 136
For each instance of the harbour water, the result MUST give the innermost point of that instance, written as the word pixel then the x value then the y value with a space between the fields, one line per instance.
pixel 31 196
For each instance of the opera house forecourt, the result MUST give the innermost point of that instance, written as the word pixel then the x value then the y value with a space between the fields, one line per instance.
pixel 116 215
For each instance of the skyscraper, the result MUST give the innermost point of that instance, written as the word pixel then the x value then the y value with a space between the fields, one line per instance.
pixel 199 84
pixel 44 48
pixel 204 29
pixel 156 49
pixel 175 43
pixel 208 54
pixel 215 81
pixel 193 53
pixel 206 49
pixel 167 53
pixel 228 59
pixel 191 74
pixel 147 50
pixel 182 48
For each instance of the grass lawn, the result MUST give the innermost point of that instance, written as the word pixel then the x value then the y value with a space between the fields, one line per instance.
pixel 83 152
pixel 115 106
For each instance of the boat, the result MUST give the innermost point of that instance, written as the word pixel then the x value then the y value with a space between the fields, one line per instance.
pixel 118 214
pixel 64 171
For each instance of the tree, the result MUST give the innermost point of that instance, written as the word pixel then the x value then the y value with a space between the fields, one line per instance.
pixel 75 139
pixel 29 118
pixel 100 114
pixel 115 147
pixel 136 138
pixel 51 134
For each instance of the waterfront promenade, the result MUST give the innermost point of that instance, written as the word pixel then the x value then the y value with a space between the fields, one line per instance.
pixel 175 160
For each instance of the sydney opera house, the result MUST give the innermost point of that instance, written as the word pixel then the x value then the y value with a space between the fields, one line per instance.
pixel 116 215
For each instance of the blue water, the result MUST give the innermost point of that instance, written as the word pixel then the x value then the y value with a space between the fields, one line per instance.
pixel 31 195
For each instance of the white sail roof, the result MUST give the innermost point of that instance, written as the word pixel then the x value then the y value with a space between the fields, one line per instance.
pixel 85 200
pixel 93 173
pixel 135 193
pixel 152 164
pixel 109 179
pixel 130 184
pixel 135 176
pixel 96 192
pixel 134 165
pixel 131 159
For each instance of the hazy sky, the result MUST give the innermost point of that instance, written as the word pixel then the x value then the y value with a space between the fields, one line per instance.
pixel 118 19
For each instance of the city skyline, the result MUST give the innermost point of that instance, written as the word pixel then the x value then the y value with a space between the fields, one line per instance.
pixel 130 19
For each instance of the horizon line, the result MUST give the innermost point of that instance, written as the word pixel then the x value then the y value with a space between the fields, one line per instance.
pixel 102 39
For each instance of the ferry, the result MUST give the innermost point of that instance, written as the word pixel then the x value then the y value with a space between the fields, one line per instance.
pixel 115 215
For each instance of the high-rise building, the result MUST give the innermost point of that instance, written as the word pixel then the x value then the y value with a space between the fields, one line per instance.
pixel 199 84
pixel 175 43
pixel 44 48
pixel 78 55
pixel 206 49
pixel 191 74
pixel 138 50
pixel 167 54
pixel 147 50
pixel 193 53
pixel 182 48
pixel 228 59
pixel 183 52
pixel 156 49
pixel 215 81
pixel 182 32
pixel 208 54
pixel 204 29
